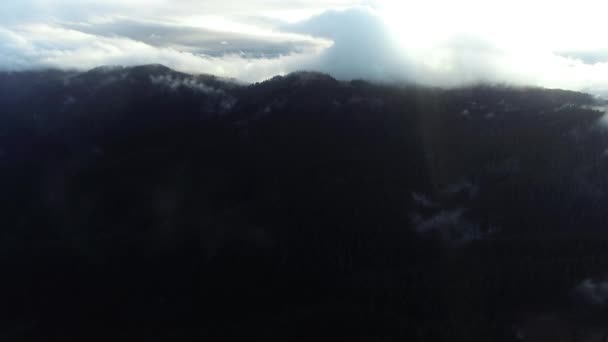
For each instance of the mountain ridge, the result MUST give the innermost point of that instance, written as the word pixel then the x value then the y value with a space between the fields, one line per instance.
pixel 160 68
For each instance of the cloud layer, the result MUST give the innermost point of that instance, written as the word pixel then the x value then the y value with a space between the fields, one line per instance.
pixel 257 39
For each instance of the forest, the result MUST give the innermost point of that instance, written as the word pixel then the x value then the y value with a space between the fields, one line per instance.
pixel 145 204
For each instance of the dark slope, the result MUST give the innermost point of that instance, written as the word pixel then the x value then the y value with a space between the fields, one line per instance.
pixel 146 204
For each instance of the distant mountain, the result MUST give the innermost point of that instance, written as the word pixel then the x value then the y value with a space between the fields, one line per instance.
pixel 144 203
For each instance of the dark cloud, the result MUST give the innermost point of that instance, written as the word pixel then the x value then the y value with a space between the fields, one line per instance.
pixel 198 40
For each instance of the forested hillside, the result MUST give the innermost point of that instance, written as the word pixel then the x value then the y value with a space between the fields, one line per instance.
pixel 143 204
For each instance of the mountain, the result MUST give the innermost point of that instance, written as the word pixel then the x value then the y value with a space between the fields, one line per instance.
pixel 141 203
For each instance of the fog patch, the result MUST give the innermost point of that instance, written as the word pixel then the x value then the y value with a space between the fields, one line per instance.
pixel 450 226
pixel 448 216
pixel 221 102
pixel 423 200
pixel 175 83
pixel 592 292
pixel 466 188
pixel 603 108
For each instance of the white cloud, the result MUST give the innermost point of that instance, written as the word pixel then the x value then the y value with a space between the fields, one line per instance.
pixel 36 46
pixel 432 42
pixel 368 47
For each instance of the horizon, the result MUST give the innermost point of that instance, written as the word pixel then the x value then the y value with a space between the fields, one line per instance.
pixel 395 83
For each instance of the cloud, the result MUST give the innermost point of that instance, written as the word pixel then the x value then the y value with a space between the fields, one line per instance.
pixel 88 34
pixel 252 40
pixel 587 56
pixel 363 46
pixel 44 46
pixel 202 40
pixel 366 46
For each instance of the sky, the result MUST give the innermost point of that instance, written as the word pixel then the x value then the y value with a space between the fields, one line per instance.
pixel 557 44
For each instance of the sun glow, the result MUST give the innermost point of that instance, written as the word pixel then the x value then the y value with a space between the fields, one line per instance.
pixel 546 24
pixel 521 40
